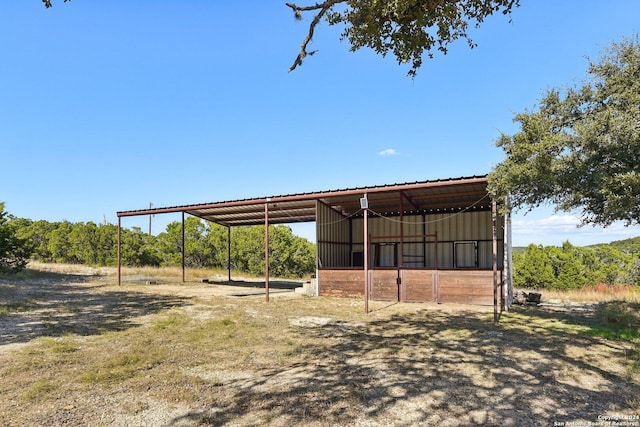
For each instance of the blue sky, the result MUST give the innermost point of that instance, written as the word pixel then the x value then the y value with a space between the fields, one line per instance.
pixel 110 105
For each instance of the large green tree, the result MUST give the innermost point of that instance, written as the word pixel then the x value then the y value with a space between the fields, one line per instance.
pixel 59 244
pixel 580 150
pixel 198 252
pixel 408 29
pixel 14 251
pixel 533 268
pixel 138 248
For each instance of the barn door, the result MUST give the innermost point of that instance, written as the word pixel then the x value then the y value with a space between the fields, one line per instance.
pixel 385 284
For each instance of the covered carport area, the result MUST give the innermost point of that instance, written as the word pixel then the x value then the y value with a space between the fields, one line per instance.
pixel 237 213
pixel 354 238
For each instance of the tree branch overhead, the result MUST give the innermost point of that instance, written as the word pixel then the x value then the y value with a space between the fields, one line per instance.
pixel 406 28
pixel 322 8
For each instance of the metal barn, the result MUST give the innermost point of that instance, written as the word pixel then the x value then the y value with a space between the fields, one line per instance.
pixel 440 240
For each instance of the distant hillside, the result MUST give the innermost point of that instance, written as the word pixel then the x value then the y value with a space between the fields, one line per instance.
pixel 630 246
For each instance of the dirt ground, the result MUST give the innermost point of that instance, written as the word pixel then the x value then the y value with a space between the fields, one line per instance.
pixel 75 349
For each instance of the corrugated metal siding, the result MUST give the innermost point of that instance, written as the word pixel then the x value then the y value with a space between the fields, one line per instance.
pixel 445 254
pixel 414 242
pixel 357 231
pixel 461 226
pixel 383 227
pixel 430 258
pixel 413 225
pixel 332 231
pixel 413 255
pixel 450 228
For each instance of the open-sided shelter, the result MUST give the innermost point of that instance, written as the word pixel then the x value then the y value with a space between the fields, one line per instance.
pixel 439 240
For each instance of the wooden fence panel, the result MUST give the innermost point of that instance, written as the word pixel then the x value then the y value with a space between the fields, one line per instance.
pixel 341 283
pixel 418 285
pixel 465 287
pixel 384 285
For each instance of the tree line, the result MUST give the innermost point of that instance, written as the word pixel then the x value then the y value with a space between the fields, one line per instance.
pixel 206 246
pixel 573 267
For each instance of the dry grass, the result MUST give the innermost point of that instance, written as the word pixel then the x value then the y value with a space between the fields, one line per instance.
pixel 76 349
pixel 597 293
pixel 129 273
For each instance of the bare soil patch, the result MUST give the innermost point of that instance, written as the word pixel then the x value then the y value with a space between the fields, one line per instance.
pixel 75 349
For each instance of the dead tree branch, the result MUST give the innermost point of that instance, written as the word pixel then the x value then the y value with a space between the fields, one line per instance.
pixel 322 9
pixel 47 3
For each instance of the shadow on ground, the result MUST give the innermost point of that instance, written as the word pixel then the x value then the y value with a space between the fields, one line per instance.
pixel 248 288
pixel 273 284
pixel 51 304
pixel 433 368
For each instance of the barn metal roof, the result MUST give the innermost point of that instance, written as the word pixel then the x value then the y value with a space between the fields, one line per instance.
pixel 421 197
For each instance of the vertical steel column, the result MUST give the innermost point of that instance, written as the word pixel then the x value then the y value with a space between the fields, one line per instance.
pixel 401 251
pixel 266 249
pixel 424 241
pixel 401 254
pixel 350 220
pixel 494 232
pixel 435 249
pixel 366 257
pixel 119 256
pixel 435 254
pixel 317 260
pixel 150 216
pixel 183 251
pixel 508 261
pixel 229 251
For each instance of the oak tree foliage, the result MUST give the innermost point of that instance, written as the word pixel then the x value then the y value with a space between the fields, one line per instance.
pixel 580 149
pixel 408 29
